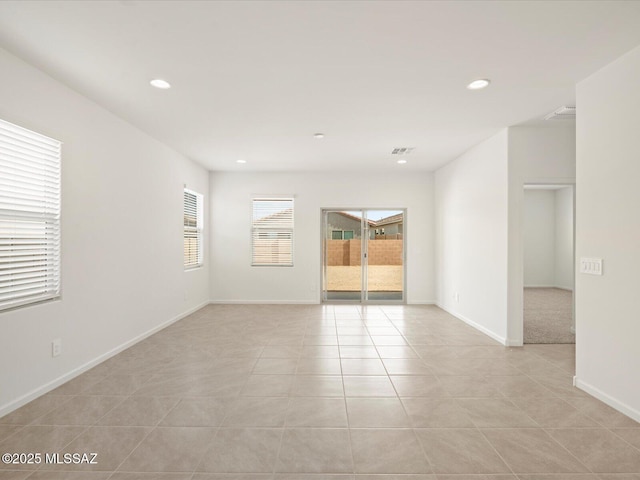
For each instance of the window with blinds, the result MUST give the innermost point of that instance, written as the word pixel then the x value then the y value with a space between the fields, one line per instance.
pixel 29 217
pixel 192 229
pixel 272 232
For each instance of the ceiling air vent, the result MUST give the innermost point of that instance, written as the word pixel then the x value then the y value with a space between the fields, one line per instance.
pixel 402 150
pixel 563 113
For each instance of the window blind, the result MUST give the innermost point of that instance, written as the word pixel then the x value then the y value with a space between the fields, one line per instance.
pixel 192 229
pixel 272 232
pixel 29 216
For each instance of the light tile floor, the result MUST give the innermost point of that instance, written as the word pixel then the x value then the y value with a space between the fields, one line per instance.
pixel 326 393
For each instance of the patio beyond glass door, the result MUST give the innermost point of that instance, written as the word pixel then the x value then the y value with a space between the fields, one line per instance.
pixel 363 255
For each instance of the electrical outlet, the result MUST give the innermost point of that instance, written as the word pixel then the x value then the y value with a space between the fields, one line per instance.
pixel 56 347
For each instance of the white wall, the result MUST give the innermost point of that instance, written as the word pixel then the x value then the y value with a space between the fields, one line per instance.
pixel 564 257
pixel 608 227
pixel 234 280
pixel 539 230
pixel 122 260
pixel 548 238
pixel 471 236
pixel 537 155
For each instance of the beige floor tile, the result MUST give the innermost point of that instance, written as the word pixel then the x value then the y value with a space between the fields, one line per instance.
pixel 34 410
pixel 495 412
pixel 281 351
pixel 81 410
pixel 224 385
pixel 319 366
pixel 320 351
pixel 317 386
pixel 316 412
pixel 242 450
pixel 257 412
pixel 139 411
pixel 352 330
pixel 601 413
pixel 376 412
pixel 553 412
pixel 320 340
pixel 275 366
pixel 313 476
pixel 21 475
pixel 377 331
pixel 362 366
pixel 387 451
pixel 268 386
pixel 149 476
pixel 368 386
pixel 170 449
pixel 111 444
pixel 397 352
pixel 436 413
pixel 7 431
pixel 315 451
pixel 460 451
pixel 232 476
pixel 38 439
pixel 49 475
pixel 366 351
pixel 631 435
pixel 599 449
pixel 483 477
pixel 354 340
pixel 118 385
pixel 467 386
pixel 418 386
pixel 406 366
pixel 388 340
pixel 193 385
pixel 532 450
pixel 198 412
pixel 79 384
pixel 519 386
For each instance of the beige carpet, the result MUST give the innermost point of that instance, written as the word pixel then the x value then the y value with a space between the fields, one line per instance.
pixel 547 315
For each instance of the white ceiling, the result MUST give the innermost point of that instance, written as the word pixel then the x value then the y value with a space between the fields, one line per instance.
pixel 256 80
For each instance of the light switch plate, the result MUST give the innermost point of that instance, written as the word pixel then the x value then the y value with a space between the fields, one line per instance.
pixel 591 266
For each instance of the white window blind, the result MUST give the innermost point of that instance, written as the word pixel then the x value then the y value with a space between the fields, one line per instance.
pixel 192 229
pixel 272 232
pixel 29 216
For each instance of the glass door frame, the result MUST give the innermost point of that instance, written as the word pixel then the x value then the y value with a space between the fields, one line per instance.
pixel 364 257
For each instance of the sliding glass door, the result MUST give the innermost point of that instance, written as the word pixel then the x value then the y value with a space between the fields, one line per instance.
pixel 363 255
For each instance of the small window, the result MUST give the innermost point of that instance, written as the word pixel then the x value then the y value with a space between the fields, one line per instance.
pixel 348 235
pixel 192 229
pixel 29 217
pixel 272 232
pixel 336 235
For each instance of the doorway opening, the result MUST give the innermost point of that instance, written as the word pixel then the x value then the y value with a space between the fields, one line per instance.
pixel 363 255
pixel 548 237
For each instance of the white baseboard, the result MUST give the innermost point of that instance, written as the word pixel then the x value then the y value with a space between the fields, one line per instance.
pixel 609 400
pixel 475 325
pixel 263 302
pixel 47 387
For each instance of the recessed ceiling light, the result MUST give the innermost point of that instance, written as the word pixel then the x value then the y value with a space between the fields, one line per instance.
pixel 479 84
pixel 318 135
pixel 402 162
pixel 241 161
pixel 159 83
